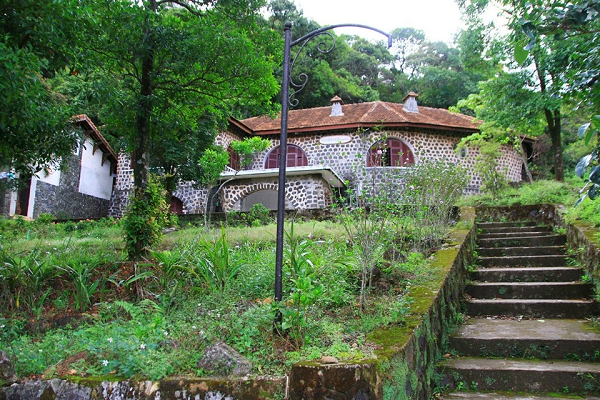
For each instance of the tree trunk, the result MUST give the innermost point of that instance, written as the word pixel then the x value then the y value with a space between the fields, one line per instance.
pixel 554 126
pixel 140 157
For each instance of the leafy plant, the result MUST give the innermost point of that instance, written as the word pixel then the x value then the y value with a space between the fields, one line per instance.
pixel 214 264
pixel 84 282
pixel 259 215
pixel 23 280
pixel 305 290
pixel 431 189
pixel 587 131
pixel 172 267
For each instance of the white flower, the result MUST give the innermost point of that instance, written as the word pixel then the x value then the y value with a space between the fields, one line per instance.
pixel 166 333
pixel 143 346
pixel 194 327
pixel 110 340
pixel 40 350
pixel 1 326
pixel 105 362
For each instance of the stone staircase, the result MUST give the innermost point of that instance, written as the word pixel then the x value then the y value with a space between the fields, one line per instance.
pixel 527 330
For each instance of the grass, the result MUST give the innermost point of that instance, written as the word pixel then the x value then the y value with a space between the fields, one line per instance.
pixel 154 319
pixel 545 191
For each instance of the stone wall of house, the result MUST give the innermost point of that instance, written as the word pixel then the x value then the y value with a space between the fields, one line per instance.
pixel 348 158
pixel 4 202
pixel 223 139
pixel 65 201
pixel 194 200
pixel 122 187
pixel 302 192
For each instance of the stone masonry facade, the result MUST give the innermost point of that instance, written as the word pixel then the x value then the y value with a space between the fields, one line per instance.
pixel 348 160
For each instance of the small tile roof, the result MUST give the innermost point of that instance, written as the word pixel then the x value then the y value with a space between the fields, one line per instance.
pixel 363 115
pixel 90 129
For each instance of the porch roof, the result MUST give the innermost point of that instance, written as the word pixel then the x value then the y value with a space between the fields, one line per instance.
pixel 326 172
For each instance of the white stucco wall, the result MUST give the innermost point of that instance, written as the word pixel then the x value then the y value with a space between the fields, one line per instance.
pixel 95 179
pixel 51 177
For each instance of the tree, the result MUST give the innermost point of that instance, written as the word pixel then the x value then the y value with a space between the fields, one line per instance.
pixel 213 162
pixel 36 40
pixel 543 59
pixel 180 76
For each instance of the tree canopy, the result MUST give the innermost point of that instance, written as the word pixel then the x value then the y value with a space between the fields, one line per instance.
pixel 36 40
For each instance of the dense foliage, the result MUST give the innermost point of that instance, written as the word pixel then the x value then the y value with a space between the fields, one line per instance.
pixel 153 318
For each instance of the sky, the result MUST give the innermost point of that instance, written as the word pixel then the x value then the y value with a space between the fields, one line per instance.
pixel 439 19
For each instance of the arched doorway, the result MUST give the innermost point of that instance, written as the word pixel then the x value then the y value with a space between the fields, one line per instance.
pixel 267 198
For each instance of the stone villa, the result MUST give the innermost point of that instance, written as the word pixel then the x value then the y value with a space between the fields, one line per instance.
pixel 326 145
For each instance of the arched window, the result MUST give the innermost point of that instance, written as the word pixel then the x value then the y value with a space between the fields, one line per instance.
pixel 391 153
pixel 295 157
pixel 234 159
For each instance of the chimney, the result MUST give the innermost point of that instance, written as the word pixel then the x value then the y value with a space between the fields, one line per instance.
pixel 410 103
pixel 336 107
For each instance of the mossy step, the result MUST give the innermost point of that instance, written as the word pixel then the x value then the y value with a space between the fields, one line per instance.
pixel 512 396
pixel 514 229
pixel 520 251
pixel 507 235
pixel 531 274
pixel 530 290
pixel 543 339
pixel 485 225
pixel 524 261
pixel 524 241
pixel 524 375
pixel 538 308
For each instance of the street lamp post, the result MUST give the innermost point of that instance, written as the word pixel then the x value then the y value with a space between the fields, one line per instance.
pixel 286 101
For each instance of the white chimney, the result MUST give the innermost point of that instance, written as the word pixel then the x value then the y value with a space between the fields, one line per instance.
pixel 410 103
pixel 336 107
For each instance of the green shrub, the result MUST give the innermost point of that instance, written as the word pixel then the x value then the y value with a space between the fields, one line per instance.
pixel 145 218
pixel 259 215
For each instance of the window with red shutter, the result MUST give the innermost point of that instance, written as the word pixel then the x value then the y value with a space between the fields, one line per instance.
pixel 295 157
pixel 391 153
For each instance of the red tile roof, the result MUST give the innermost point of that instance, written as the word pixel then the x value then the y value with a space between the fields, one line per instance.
pixel 363 115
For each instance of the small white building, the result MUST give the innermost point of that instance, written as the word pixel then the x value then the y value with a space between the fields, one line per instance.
pixel 81 190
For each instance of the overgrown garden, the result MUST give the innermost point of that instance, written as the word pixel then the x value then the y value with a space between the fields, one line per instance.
pixel 74 304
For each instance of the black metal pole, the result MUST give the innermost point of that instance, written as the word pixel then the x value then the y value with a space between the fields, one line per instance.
pixel 282 160
pixel 285 103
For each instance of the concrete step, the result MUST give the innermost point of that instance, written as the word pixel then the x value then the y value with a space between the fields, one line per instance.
pixel 485 225
pixel 502 235
pixel 520 251
pixel 525 241
pixel 514 229
pixel 543 339
pixel 519 375
pixel 532 308
pixel 530 290
pixel 512 396
pixel 524 261
pixel 539 274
